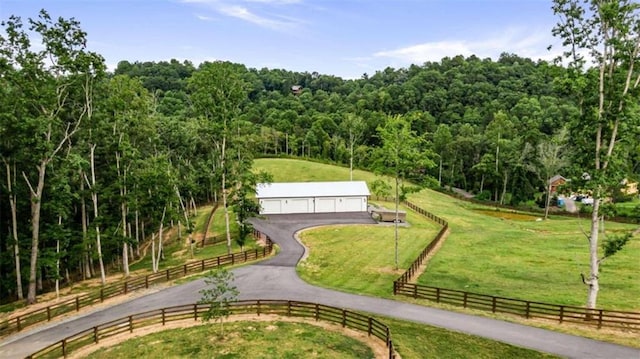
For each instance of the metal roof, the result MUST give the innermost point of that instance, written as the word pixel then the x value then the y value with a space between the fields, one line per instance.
pixel 312 189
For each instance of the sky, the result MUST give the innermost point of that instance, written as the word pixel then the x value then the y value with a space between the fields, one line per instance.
pixel 345 38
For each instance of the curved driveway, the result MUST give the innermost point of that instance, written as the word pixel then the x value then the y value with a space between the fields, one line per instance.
pixel 276 278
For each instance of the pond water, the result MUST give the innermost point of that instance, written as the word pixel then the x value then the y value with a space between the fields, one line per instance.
pixel 507 215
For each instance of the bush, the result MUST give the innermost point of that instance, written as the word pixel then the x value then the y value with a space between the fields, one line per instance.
pixel 483 196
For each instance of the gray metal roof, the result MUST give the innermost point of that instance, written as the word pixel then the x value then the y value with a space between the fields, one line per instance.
pixel 312 189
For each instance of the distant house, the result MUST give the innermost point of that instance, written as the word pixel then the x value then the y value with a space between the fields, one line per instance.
pixel 629 187
pixel 555 182
pixel 296 89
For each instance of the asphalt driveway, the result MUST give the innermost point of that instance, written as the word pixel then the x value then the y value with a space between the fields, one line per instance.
pixel 276 278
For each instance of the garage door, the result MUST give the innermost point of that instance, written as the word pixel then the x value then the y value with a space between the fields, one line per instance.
pixel 354 205
pixel 271 206
pixel 325 205
pixel 297 205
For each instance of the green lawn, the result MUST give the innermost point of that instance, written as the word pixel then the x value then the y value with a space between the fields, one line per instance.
pixel 511 257
pixel 524 258
pixel 280 339
pixel 360 259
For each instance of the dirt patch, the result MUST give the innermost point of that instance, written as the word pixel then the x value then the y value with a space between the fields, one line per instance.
pixel 378 346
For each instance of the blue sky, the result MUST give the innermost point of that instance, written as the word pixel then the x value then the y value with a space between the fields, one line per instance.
pixel 346 38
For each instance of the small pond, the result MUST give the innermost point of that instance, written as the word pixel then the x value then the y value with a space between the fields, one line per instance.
pixel 507 215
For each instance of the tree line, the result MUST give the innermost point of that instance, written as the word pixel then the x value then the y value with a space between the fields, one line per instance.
pixel 97 162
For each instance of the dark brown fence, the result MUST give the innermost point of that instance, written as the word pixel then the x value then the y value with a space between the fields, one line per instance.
pixel 346 318
pixel 18 323
pixel 528 309
pixel 414 268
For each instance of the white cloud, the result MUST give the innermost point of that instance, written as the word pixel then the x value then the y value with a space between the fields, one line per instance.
pixel 523 42
pixel 204 17
pixel 247 10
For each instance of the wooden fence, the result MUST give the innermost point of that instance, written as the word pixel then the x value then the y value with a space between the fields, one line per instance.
pixel 345 318
pixel 528 309
pixel 18 323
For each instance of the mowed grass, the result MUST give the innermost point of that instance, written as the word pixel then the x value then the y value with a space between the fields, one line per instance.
pixel 527 259
pixel 361 258
pixel 274 339
pixel 279 339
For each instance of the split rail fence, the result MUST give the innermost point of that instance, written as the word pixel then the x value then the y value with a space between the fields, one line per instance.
pixel 20 322
pixel 319 312
pixel 529 309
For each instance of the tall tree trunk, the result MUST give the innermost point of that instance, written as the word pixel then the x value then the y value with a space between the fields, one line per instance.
pixel 548 199
pixel 594 263
pixel 396 220
pixel 351 161
pixel 14 230
pixel 440 173
pixel 86 271
pixel 482 183
pixel 36 202
pixel 58 260
pixel 504 186
pixel 123 214
pixel 94 197
pixel 224 193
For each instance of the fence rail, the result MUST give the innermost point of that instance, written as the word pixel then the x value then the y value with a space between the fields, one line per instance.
pixel 20 322
pixel 528 309
pixel 319 312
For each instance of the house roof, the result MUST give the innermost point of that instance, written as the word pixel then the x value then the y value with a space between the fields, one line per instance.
pixel 312 189
pixel 557 178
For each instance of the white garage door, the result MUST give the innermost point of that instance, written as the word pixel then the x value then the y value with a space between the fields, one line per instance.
pixel 297 205
pixel 354 204
pixel 325 205
pixel 271 206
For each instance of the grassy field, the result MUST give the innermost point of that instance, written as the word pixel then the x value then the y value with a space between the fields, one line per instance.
pixel 500 254
pixel 488 252
pixel 360 259
pixel 242 340
pixel 300 340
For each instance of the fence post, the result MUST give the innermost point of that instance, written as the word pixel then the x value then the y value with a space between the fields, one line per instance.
pixel 77 304
pixel 185 269
pixel 130 324
pixel 195 312
pixel 18 323
pixel 528 308
pixel 202 265
pixel 48 313
pixel 218 258
pixel 415 291
pixel 370 326
pixel 101 295
pixel 493 304
pixel 95 335
pixel 438 295
pixel 125 287
pixel 395 287
pixel 233 258
pixel 258 307
pixel 317 312
pixel 245 256
pixel 600 319
pixel 561 313
pixel 464 300
pixel 344 318
pixel 289 308
pixel 146 281
pixel 64 348
pixel 163 317
pixel 167 274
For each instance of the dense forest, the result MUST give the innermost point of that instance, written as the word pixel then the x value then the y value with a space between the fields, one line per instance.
pixel 96 162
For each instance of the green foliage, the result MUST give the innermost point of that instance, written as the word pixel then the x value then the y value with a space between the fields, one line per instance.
pixel 613 244
pixel 218 295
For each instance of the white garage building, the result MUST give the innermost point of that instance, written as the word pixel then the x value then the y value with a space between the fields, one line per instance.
pixel 312 197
